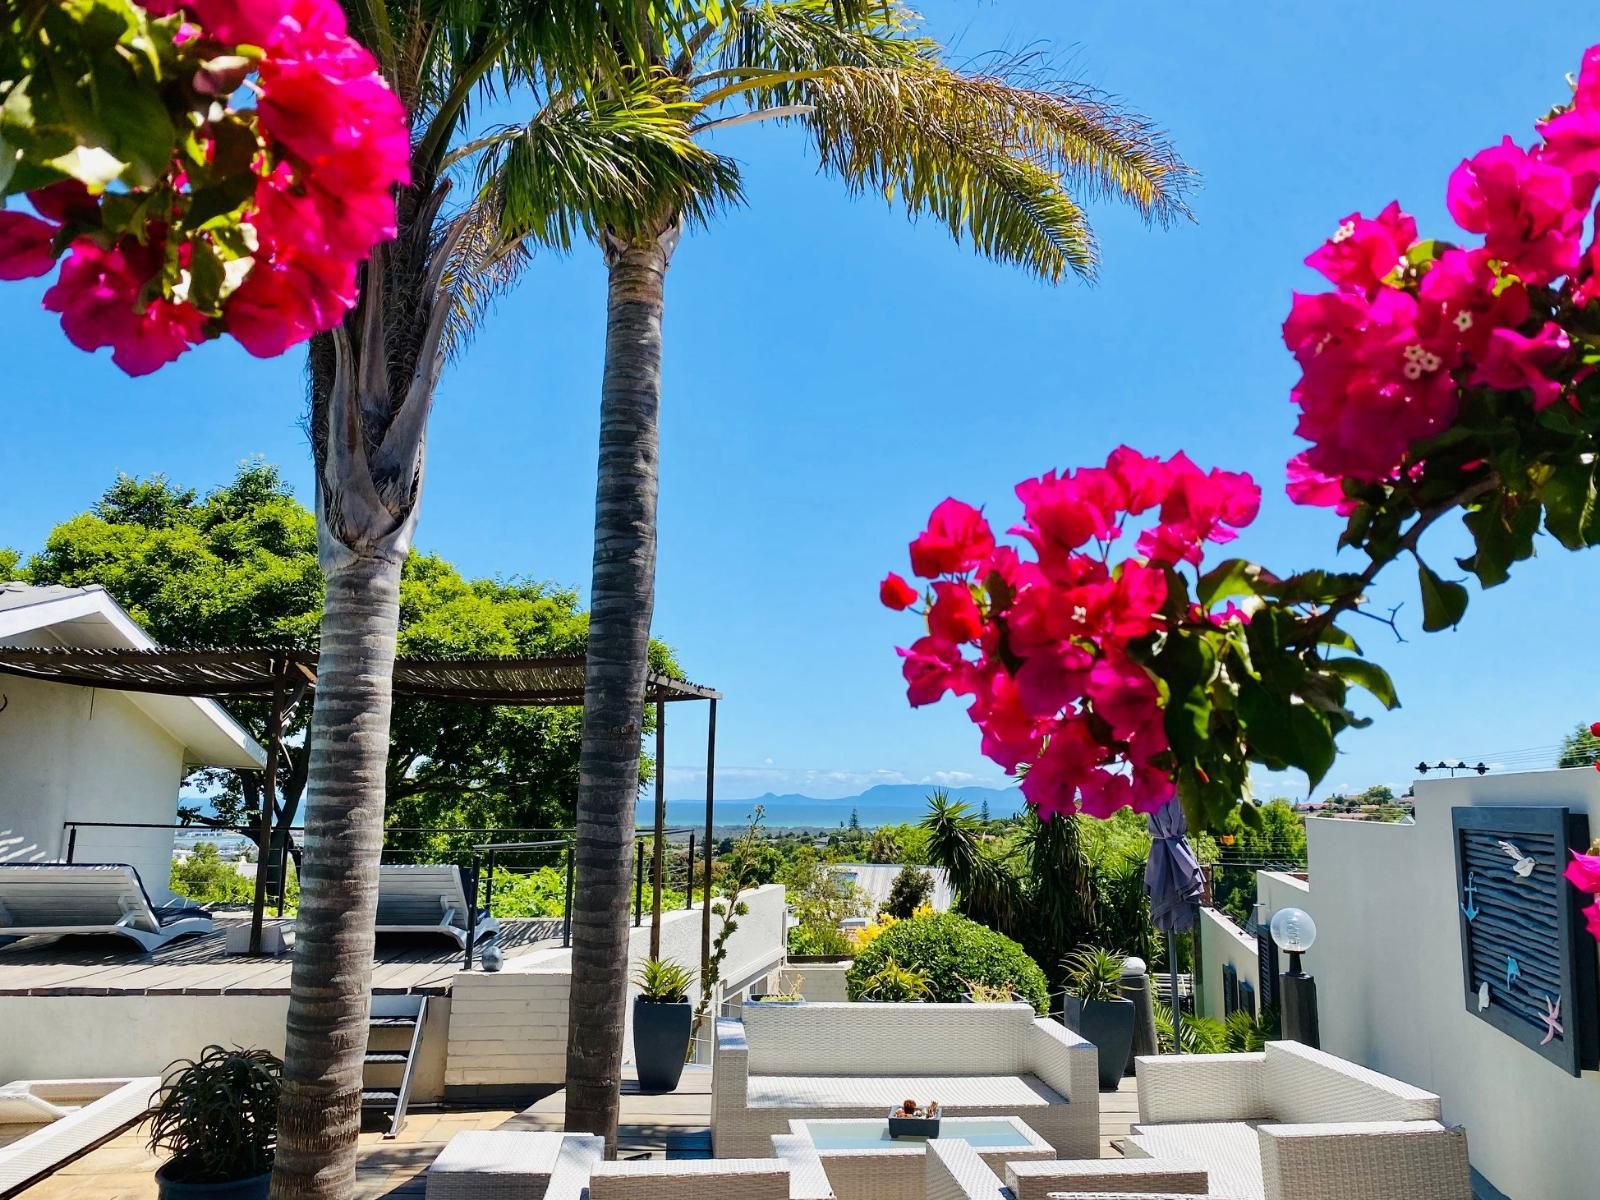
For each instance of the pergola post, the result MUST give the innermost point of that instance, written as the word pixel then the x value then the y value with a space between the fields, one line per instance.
pixel 661 827
pixel 269 794
pixel 711 792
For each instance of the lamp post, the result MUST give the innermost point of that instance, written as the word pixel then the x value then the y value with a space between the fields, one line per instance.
pixel 1295 932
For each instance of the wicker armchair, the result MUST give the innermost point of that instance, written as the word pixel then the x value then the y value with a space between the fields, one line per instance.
pixel 857 1060
pixel 1294 1123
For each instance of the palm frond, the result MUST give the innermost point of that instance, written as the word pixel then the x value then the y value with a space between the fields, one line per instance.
pixel 626 162
pixel 999 153
pixel 483 266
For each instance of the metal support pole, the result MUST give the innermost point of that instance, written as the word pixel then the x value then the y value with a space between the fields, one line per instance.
pixel 269 787
pixel 566 908
pixel 72 842
pixel 688 879
pixel 661 828
pixel 1172 982
pixel 638 883
pixel 711 792
pixel 472 909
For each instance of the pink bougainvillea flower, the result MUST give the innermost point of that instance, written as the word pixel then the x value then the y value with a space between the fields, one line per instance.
pixel 1572 136
pixel 957 539
pixel 1144 480
pixel 1583 872
pixel 282 303
pixel 1309 486
pixel 955 616
pixel 1362 252
pixel 27 245
pixel 1010 734
pixel 1526 208
pixel 894 592
pixel 67 200
pixel 1461 302
pixel 1123 695
pixel 1591 919
pixel 1061 511
pixel 1514 361
pixel 933 667
pixel 98 297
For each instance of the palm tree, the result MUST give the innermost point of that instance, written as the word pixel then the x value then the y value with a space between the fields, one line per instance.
pixel 372 384
pixel 986 887
pixel 996 154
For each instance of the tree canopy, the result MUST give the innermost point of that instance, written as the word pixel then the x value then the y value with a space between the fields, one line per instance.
pixel 238 565
pixel 1580 748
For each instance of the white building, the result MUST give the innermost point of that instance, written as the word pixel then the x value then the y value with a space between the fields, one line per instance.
pixel 1392 935
pixel 874 881
pixel 77 754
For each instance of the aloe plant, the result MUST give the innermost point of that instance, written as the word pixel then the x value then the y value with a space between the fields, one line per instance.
pixel 662 981
pixel 217 1116
pixel 1094 973
pixel 895 984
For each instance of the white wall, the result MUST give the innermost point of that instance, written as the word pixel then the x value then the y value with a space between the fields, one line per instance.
pixel 818 982
pixel 508 1031
pixel 86 755
pixel 1389 984
pixel 1222 944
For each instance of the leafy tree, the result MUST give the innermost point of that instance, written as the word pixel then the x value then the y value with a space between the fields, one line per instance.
pixel 983 811
pixel 992 155
pixel 1580 748
pixel 909 892
pixel 1273 833
pixel 1378 794
pixel 855 821
pixel 238 566
pixel 9 565
pixel 821 901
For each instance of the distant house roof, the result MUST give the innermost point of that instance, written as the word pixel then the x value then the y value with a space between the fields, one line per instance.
pixel 88 618
pixel 875 880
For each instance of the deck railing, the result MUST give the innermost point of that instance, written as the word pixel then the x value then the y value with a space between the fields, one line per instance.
pixel 487 856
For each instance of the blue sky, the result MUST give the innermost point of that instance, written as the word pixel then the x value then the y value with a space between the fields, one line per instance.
pixel 832 372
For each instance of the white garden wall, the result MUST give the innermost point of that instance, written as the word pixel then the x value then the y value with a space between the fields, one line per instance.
pixel 1388 968
pixel 508 1031
pixel 1223 944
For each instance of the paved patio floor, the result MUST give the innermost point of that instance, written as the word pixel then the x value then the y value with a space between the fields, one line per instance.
pixel 675 1126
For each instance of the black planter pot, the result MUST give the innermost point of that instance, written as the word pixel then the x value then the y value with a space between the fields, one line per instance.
pixel 1109 1025
pixel 660 1043
pixel 253 1188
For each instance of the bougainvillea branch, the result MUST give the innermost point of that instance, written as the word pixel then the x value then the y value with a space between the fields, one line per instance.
pixel 1110 683
pixel 178 214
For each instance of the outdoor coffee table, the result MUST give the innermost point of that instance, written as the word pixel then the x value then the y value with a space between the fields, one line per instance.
pixel 863 1162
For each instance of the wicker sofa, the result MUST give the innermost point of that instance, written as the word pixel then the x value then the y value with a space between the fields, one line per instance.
pixel 785 1062
pixel 1294 1123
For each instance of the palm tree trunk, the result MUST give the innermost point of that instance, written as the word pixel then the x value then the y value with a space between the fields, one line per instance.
pixel 622 598
pixel 330 992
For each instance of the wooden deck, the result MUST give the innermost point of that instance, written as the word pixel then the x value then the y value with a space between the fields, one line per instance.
pixel 199 966
pixel 651 1126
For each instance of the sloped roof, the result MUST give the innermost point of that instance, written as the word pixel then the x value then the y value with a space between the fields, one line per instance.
pixel 53 619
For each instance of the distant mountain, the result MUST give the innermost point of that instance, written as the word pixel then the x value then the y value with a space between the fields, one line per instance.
pixel 884 804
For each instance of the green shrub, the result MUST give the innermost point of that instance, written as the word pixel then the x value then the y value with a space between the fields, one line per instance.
pixel 895 985
pixel 951 952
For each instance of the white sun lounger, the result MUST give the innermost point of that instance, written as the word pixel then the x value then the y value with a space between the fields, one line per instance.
pixel 427 898
pixel 77 898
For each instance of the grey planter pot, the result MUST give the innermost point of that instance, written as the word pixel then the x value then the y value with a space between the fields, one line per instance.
pixel 1109 1025
pixel 254 1188
pixel 660 1043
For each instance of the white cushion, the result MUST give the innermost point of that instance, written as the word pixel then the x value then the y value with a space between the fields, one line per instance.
pixel 881 1093
pixel 1230 1151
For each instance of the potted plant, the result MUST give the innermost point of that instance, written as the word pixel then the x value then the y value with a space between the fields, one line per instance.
pixel 894 985
pixel 979 992
pixel 1094 977
pixel 662 1016
pixel 217 1117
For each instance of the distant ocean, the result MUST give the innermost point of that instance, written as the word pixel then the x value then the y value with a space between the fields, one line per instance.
pixel 886 804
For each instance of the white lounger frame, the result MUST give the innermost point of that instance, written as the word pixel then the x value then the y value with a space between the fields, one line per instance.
pixel 410 894
pixel 87 898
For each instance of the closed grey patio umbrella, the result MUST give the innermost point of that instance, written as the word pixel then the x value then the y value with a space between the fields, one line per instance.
pixel 1174 884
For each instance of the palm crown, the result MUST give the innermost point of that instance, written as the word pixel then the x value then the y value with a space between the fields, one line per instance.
pixel 999 152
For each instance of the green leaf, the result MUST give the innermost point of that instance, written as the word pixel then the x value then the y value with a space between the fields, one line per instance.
pixel 1250 816
pixel 1503 534
pixel 1232 577
pixel 1444 601
pixel 1285 732
pixel 1571 506
pixel 8 163
pixel 1368 675
pixel 1312 587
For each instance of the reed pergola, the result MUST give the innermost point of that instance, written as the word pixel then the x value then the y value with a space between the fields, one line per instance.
pixel 284 678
